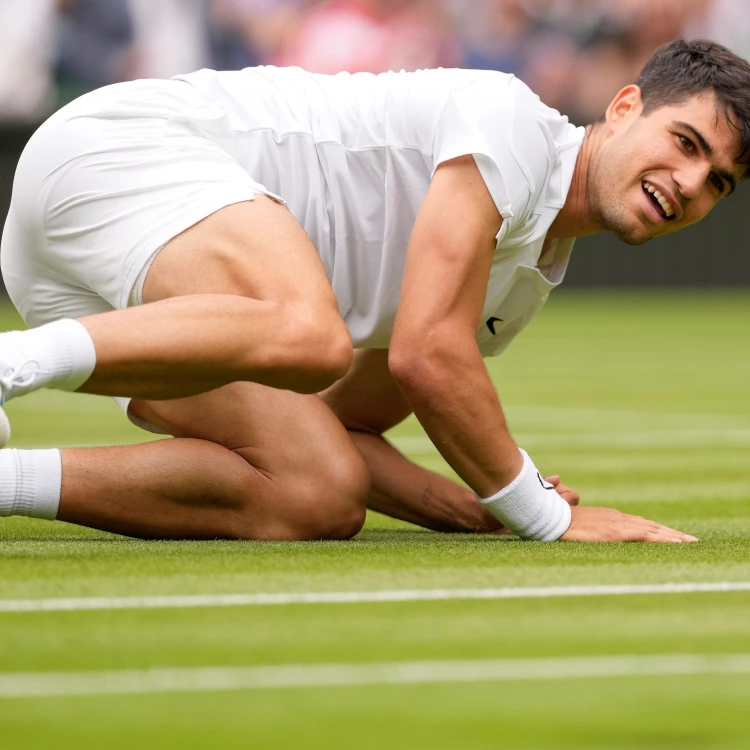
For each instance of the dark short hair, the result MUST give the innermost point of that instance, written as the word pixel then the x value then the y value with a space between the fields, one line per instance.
pixel 680 70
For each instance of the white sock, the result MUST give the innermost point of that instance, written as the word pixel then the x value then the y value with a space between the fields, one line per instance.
pixel 30 483
pixel 58 355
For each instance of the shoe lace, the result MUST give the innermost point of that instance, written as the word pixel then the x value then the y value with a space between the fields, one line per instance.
pixel 18 377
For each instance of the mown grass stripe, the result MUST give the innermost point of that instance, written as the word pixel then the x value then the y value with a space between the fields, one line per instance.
pixel 612 440
pixel 181 680
pixel 421 445
pixel 358 597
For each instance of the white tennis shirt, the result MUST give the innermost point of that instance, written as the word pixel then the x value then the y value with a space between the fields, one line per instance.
pixel 353 156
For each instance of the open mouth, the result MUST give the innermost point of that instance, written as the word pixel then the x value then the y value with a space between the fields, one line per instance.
pixel 660 203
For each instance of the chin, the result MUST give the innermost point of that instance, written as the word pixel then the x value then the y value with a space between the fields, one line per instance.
pixel 627 228
pixel 633 238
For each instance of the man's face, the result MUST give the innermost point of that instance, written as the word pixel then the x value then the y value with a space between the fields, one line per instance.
pixel 658 173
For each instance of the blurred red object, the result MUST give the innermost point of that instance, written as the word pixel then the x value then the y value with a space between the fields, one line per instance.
pixel 372 36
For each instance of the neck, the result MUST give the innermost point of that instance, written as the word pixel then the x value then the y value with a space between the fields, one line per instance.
pixel 576 217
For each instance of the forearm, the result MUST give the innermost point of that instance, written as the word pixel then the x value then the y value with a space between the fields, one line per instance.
pixel 402 489
pixel 456 403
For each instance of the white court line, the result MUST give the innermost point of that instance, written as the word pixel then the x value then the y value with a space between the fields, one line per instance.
pixel 358 597
pixel 185 680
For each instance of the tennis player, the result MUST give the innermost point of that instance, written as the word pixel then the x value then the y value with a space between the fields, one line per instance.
pixel 219 249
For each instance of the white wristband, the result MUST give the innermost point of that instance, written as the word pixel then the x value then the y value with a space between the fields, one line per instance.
pixel 529 506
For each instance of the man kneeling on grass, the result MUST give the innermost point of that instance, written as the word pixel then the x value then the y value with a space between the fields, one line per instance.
pixel 214 246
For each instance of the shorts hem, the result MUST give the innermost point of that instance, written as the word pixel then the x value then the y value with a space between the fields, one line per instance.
pixel 147 249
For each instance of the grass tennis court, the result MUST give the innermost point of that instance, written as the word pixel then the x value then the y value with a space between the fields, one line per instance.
pixel 640 401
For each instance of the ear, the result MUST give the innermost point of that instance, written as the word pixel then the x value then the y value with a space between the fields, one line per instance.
pixel 625 105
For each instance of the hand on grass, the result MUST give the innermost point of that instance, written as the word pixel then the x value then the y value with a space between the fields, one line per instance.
pixel 490 525
pixel 609 525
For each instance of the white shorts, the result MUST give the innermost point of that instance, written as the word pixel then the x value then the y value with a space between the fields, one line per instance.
pixel 103 185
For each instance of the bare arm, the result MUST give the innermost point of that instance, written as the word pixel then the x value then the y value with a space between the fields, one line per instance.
pixel 435 359
pixel 434 356
pixel 368 402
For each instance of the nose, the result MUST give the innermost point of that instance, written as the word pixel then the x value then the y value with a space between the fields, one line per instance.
pixel 691 180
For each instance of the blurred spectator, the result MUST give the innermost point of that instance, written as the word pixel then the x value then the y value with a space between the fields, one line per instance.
pixel 169 37
pixel 574 53
pixel 373 35
pixel 725 21
pixel 253 32
pixel 631 30
pixel 95 45
pixel 106 41
pixel 498 35
pixel 26 39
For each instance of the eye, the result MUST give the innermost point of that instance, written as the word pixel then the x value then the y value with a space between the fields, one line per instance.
pixel 716 181
pixel 687 144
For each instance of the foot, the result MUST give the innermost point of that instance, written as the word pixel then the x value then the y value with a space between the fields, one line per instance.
pixel 17 373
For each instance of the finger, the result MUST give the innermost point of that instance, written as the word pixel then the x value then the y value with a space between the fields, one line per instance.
pixel 667 536
pixel 553 480
pixel 681 535
pixel 674 533
pixel 633 529
pixel 570 495
pixel 650 531
pixel 571 498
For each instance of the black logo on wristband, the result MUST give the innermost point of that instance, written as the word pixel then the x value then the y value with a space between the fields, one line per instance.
pixel 541 481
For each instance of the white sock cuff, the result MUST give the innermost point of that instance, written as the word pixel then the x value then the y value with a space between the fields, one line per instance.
pixel 72 351
pixel 30 483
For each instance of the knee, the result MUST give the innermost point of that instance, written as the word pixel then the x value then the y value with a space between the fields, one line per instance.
pixel 346 524
pixel 327 502
pixel 327 356
pixel 333 504
pixel 316 350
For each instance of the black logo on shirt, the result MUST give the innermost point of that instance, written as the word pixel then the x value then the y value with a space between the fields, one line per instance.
pixel 491 324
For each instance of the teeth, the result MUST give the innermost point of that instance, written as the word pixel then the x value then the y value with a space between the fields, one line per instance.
pixel 665 204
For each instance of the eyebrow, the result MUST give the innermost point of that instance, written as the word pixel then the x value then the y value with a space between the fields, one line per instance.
pixel 707 149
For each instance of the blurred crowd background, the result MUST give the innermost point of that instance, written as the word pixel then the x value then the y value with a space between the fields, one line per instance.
pixel 574 53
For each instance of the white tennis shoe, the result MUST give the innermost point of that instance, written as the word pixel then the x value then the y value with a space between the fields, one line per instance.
pixel 15 378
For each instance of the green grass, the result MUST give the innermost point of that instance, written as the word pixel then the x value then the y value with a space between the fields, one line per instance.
pixel 640 401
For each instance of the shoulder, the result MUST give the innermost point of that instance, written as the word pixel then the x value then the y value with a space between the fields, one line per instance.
pixel 507 116
pixel 516 122
pixel 514 137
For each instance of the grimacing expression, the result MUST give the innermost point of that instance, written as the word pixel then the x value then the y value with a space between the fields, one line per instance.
pixel 660 172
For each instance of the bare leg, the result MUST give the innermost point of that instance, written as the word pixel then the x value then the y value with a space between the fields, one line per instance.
pixel 178 489
pixel 368 402
pixel 241 296
pixel 227 304
pixel 254 463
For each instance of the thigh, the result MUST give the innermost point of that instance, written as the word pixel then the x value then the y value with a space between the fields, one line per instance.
pixel 312 480
pixel 253 249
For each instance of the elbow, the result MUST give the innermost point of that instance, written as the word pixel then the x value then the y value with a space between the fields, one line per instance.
pixel 416 367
